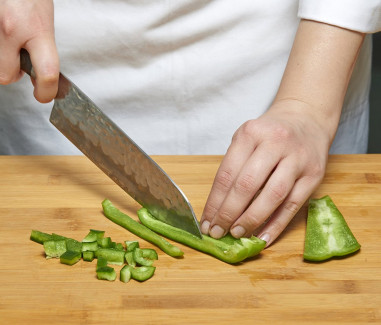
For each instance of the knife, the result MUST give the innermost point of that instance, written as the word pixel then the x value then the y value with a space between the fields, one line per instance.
pixel 116 154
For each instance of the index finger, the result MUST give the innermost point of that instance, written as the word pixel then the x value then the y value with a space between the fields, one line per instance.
pixel 45 61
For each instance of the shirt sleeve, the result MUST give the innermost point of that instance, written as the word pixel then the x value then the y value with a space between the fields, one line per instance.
pixel 359 15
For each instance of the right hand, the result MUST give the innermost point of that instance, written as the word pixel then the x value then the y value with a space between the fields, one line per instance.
pixel 29 24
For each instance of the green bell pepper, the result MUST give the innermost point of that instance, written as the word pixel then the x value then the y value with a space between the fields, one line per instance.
pixel 327 233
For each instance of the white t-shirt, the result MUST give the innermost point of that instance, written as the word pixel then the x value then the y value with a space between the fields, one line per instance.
pixel 179 77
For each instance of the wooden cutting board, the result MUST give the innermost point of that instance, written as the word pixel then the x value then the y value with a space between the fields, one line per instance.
pixel 64 194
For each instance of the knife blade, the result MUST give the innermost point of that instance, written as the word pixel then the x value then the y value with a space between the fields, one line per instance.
pixel 116 154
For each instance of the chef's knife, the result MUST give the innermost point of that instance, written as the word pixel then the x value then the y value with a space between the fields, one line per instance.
pixel 116 154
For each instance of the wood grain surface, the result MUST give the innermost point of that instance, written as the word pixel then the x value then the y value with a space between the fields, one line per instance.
pixel 63 194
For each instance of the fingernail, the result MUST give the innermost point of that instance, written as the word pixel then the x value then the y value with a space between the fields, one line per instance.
pixel 217 232
pixel 265 237
pixel 238 231
pixel 205 227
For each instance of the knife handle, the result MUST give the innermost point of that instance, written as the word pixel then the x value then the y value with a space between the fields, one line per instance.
pixel 26 63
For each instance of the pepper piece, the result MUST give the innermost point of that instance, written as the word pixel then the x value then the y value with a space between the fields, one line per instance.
pixel 131 245
pixel 70 257
pixel 105 242
pixel 138 229
pixel 106 273
pixel 144 257
pixel 40 237
pixel 54 248
pixel 130 258
pixel 112 256
pixel 327 233
pixel 228 249
pixel 142 273
pixel 88 256
pixel 93 236
pixel 125 274
pixel 89 246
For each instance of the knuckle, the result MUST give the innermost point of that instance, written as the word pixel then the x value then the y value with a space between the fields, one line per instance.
pixel 245 184
pixel 282 133
pixel 292 207
pixel 278 192
pixel 225 218
pixel 209 211
pixel 8 25
pixel 224 179
pixel 251 222
pixel 245 131
pixel 49 79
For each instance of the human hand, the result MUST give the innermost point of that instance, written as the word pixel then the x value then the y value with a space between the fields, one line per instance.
pixel 29 24
pixel 278 160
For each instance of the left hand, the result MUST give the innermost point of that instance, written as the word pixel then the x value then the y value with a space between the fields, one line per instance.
pixel 284 153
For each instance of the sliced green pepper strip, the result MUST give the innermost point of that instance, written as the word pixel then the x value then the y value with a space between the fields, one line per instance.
pixel 138 229
pixel 142 273
pixel 327 233
pixel 40 237
pixel 227 249
pixel 70 257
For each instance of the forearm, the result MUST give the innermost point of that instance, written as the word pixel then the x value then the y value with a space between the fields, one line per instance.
pixel 318 71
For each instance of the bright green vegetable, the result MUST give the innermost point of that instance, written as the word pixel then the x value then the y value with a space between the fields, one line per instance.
pixel 112 256
pixel 89 246
pixel 88 256
pixel 138 229
pixel 40 237
pixel 93 236
pixel 227 249
pixel 142 273
pixel 54 248
pixel 106 273
pixel 105 242
pixel 130 258
pixel 125 274
pixel 101 262
pixel 131 245
pixel 327 233
pixel 70 257
pixel 144 257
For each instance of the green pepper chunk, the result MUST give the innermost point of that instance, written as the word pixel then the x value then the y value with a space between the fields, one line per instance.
pixel 327 233
pixel 142 273
pixel 228 249
pixel 93 236
pixel 130 258
pixel 89 246
pixel 125 274
pixel 145 256
pixel 88 256
pixel 105 242
pixel 54 248
pixel 131 245
pixel 112 256
pixel 138 229
pixel 70 257
pixel 106 273
pixel 40 237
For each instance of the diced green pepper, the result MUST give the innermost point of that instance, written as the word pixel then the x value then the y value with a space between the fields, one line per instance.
pixel 73 245
pixel 130 258
pixel 228 249
pixel 106 273
pixel 40 237
pixel 140 259
pixel 54 248
pixel 88 256
pixel 112 256
pixel 105 242
pixel 89 246
pixel 131 245
pixel 101 262
pixel 119 246
pixel 327 233
pixel 142 273
pixel 125 274
pixel 93 236
pixel 70 257
pixel 138 229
